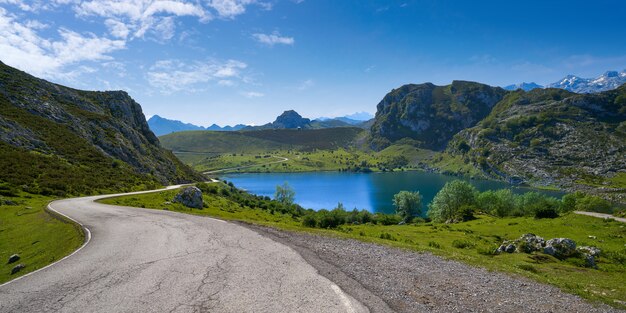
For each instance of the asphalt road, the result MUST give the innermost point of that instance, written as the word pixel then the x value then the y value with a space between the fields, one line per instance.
pixel 140 260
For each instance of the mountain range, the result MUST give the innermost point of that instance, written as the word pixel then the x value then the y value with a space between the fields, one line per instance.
pixel 163 126
pixel 288 119
pixel 607 81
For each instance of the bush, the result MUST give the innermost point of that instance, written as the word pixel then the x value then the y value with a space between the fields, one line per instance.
pixel 309 221
pixel 408 204
pixel 546 213
pixel 448 202
pixel 499 203
pixel 387 219
pixel 462 244
pixel 434 244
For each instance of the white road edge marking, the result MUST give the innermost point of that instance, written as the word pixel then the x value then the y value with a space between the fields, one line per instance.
pixel 344 299
pixel 87 240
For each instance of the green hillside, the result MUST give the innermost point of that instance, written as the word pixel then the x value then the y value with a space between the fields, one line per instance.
pixel 61 141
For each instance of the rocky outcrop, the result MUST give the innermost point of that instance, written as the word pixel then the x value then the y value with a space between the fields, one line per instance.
pixel 552 137
pixel 81 128
pixel 560 248
pixel 431 114
pixel 190 197
pixel 291 119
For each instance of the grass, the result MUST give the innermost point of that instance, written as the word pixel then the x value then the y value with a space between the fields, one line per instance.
pixel 37 236
pixel 471 242
pixel 355 160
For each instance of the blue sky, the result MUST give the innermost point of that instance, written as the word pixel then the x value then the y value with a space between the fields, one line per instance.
pixel 246 61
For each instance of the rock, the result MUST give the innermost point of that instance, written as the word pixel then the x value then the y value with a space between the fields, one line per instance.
pixel 560 247
pixel 506 247
pixel 190 197
pixel 14 258
pixel 590 261
pixel 529 243
pixel 592 251
pixel 17 268
pixel 592 237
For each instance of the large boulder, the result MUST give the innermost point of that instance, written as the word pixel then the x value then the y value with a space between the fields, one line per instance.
pixel 14 258
pixel 190 197
pixel 560 247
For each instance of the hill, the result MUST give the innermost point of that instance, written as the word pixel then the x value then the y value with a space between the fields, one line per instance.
pixel 261 140
pixel 162 126
pixel 58 140
pixel 552 137
pixel 431 114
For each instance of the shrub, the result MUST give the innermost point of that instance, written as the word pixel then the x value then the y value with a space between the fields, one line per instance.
pixel 408 204
pixel 462 244
pixel 434 244
pixel 546 213
pixel 309 221
pixel 498 203
pixel 285 194
pixel 448 202
pixel 387 219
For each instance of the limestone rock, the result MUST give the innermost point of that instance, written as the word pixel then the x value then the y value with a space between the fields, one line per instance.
pixel 560 247
pixel 190 197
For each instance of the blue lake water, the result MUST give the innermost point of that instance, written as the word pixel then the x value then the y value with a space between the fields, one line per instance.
pixel 372 192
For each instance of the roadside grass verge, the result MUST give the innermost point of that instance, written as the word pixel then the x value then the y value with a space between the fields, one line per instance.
pixel 37 236
pixel 471 242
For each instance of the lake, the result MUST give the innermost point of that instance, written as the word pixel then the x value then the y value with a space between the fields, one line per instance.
pixel 372 191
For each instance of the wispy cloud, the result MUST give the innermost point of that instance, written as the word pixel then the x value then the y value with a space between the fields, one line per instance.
pixel 252 94
pixel 273 39
pixel 23 47
pixel 306 84
pixel 173 75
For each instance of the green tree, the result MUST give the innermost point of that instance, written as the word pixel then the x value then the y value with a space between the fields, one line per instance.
pixel 285 194
pixel 498 203
pixel 408 204
pixel 453 202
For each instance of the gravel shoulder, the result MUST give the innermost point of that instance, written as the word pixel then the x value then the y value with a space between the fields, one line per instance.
pixel 387 279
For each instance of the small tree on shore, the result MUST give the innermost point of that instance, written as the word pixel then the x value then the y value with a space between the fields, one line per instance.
pixel 408 204
pixel 453 202
pixel 285 194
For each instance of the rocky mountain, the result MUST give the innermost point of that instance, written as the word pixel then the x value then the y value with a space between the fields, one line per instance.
pixel 523 86
pixel 289 120
pixel 58 140
pixel 607 81
pixel 431 114
pixel 163 126
pixel 552 137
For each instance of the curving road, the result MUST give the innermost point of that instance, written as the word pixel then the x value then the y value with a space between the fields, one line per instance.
pixel 601 215
pixel 141 260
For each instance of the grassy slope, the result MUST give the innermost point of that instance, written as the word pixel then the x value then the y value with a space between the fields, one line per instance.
pixel 330 149
pixel 37 236
pixel 483 234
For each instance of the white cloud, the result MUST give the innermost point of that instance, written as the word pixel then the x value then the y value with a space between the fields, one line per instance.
pixel 173 75
pixel 230 8
pixel 273 38
pixel 252 94
pixel 141 16
pixel 117 28
pixel 22 47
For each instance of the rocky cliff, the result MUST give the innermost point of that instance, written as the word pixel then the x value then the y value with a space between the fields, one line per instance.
pixel 431 114
pixel 78 134
pixel 552 137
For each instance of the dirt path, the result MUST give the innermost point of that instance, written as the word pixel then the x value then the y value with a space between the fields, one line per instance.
pixel 601 215
pixel 282 159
